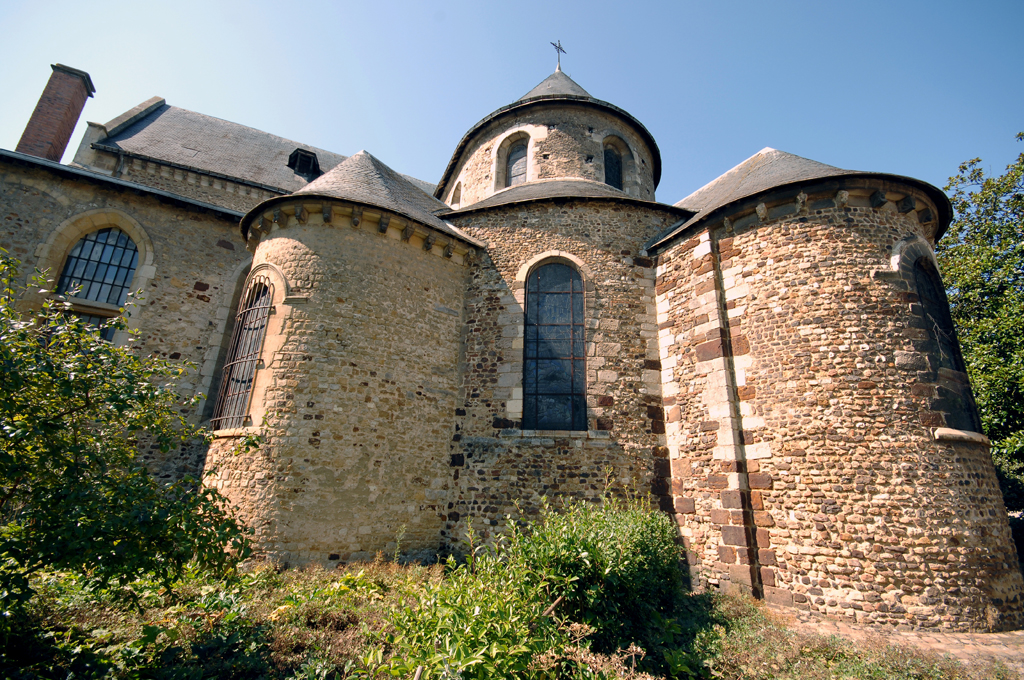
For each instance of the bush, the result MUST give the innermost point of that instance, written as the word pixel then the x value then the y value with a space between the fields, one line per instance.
pixel 575 594
pixel 73 494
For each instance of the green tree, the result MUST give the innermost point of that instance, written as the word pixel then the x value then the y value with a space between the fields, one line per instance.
pixel 982 260
pixel 73 494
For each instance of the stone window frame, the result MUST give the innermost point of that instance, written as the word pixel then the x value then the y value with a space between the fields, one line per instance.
pixel 456 198
pixel 501 157
pixel 516 328
pixel 53 253
pixel 630 179
pixel 906 254
pixel 273 340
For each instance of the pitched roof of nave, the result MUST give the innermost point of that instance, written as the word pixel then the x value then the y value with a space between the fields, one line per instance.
pixel 365 179
pixel 770 169
pixel 158 131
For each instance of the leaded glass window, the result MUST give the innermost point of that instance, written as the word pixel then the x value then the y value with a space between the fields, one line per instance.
pixel 516 166
pixel 243 355
pixel 102 264
pixel 554 371
pixel 612 168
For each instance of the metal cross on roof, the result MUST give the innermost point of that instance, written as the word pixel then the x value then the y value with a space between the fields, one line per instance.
pixel 559 52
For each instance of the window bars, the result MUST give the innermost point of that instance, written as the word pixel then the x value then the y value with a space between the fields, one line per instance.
pixel 554 371
pixel 102 264
pixel 243 355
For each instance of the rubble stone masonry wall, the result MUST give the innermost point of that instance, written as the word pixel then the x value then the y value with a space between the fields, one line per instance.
pixel 811 459
pixel 188 268
pixel 564 142
pixel 494 463
pixel 359 384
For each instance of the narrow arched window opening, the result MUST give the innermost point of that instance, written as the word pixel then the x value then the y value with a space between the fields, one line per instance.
pixel 457 196
pixel 516 164
pixel 955 399
pixel 243 355
pixel 100 268
pixel 554 370
pixel 612 168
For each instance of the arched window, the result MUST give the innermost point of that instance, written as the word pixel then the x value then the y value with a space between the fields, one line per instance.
pixel 612 168
pixel 457 196
pixel 515 167
pixel 554 371
pixel 243 355
pixel 101 266
pixel 956 401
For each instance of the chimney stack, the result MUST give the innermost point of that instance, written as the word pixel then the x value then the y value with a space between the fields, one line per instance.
pixel 50 127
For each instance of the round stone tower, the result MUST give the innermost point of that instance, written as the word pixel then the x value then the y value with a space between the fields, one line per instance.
pixel 561 377
pixel 826 450
pixel 555 131
pixel 354 385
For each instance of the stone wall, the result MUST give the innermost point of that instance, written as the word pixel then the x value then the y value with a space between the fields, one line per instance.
pixel 494 463
pixel 192 184
pixel 565 141
pixel 809 454
pixel 359 386
pixel 188 266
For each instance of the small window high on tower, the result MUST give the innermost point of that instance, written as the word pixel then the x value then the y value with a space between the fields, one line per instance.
pixel 305 163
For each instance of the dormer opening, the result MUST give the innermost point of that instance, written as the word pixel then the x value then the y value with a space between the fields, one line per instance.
pixel 305 163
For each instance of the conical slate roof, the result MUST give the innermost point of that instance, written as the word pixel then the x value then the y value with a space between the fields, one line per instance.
pixel 363 178
pixel 765 169
pixel 556 85
pixel 770 169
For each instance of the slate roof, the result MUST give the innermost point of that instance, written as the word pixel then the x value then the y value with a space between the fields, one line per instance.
pixel 557 87
pixel 561 188
pixel 771 169
pixel 194 140
pixel 364 179
pixel 556 84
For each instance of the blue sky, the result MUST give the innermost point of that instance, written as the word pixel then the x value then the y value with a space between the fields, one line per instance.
pixel 911 88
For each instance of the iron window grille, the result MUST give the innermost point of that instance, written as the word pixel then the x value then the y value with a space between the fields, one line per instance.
pixel 554 369
pixel 243 355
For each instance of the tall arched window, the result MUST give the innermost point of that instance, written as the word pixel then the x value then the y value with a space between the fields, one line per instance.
pixel 101 266
pixel 554 371
pixel 957 403
pixel 515 167
pixel 243 355
pixel 612 167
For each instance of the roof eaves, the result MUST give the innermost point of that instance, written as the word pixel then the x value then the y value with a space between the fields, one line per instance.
pixel 237 180
pixel 627 200
pixel 942 203
pixel 77 173
pixel 442 226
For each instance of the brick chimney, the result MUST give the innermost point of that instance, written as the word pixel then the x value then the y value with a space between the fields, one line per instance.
pixel 56 114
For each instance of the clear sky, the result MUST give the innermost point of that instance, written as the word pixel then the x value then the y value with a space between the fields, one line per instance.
pixel 911 88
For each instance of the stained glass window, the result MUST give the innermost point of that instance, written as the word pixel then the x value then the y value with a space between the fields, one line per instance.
pixel 516 166
pixel 554 371
pixel 612 168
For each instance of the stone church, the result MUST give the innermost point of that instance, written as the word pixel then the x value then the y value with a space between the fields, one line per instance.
pixel 771 358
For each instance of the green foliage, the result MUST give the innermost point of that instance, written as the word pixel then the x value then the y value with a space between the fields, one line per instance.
pixel 982 260
pixel 577 588
pixel 620 565
pixel 72 493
